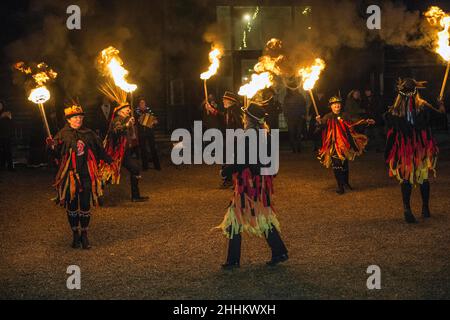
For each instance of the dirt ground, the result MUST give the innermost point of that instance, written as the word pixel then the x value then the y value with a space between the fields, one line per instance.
pixel 165 249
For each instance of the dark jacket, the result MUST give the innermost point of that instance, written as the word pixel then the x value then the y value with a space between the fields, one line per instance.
pixel 294 104
pixel 233 117
pixel 80 141
pixel 373 110
pixel 6 126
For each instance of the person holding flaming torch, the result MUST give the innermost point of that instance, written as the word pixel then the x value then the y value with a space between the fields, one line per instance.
pixel 78 182
pixel 411 150
pixel 119 143
pixel 340 141
pixel 122 134
pixel 233 120
pixel 214 58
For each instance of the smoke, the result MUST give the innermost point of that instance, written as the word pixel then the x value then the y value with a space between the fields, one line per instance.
pixel 331 25
pixel 401 27
pixel 72 53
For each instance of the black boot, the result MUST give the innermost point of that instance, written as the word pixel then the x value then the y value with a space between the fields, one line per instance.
pixel 345 174
pixel 234 252
pixel 425 192
pixel 85 218
pixel 406 196
pixel 74 220
pixel 135 194
pixel 338 174
pixel 279 251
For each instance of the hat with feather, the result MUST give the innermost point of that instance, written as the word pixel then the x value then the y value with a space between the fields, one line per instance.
pixel 116 94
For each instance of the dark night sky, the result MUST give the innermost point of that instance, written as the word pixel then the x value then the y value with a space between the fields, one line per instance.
pixel 183 36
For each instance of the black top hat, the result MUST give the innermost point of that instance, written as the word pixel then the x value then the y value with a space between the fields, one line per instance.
pixel 228 95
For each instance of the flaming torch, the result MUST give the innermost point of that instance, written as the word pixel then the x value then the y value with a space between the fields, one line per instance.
pixel 40 94
pixel 112 65
pixel 258 82
pixel 310 75
pixel 214 58
pixel 437 17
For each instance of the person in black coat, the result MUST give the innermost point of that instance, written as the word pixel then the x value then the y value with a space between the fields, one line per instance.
pixel 294 109
pixel 373 110
pixel 251 208
pixel 78 183
pixel 119 146
pixel 146 135
pixel 233 116
pixel 6 135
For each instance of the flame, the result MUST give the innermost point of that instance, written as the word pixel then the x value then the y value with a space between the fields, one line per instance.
pixel 112 65
pixel 42 74
pixel 39 95
pixel 22 67
pixel 436 16
pixel 268 63
pixel 257 82
pixel 214 58
pixel 311 74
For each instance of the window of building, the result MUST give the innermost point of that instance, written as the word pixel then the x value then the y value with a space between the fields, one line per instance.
pixel 250 27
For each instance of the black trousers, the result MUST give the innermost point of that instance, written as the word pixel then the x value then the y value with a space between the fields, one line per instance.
pixel 274 241
pixel 341 171
pixel 133 168
pixel 78 210
pixel 146 142
pixel 6 153
pixel 406 189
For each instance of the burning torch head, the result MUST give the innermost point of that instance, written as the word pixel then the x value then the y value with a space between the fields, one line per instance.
pixel 72 111
pixel 273 47
pixel 39 95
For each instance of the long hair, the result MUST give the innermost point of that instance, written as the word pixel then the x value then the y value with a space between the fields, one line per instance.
pixel 400 104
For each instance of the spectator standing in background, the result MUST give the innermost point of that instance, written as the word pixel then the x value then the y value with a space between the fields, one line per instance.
pixel 6 135
pixel 294 109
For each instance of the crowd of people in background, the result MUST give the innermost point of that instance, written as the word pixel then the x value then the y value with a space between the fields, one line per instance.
pixel 34 142
pixel 291 111
pixel 294 110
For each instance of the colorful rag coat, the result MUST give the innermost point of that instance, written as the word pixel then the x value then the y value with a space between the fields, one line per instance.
pixel 116 143
pixel 78 152
pixel 339 139
pixel 411 150
pixel 251 207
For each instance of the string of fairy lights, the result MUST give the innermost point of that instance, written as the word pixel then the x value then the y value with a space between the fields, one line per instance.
pixel 248 27
pixel 249 20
